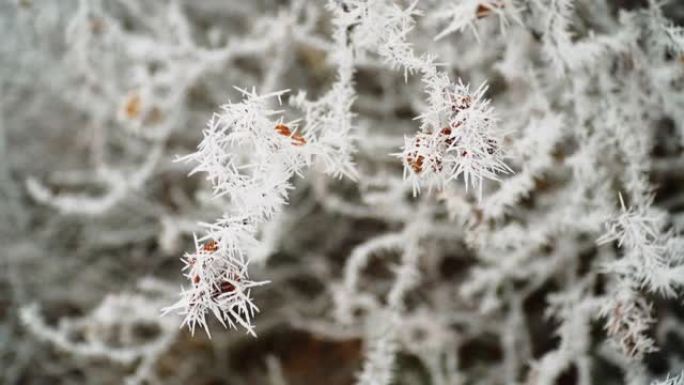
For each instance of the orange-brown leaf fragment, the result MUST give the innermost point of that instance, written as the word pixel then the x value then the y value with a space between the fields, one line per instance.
pixel 416 164
pixel 283 129
pixel 484 10
pixel 133 106
pixel 210 246
pixel 297 138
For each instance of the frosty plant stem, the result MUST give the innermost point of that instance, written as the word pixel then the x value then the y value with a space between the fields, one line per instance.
pixel 458 133
pixel 459 138
pixel 248 156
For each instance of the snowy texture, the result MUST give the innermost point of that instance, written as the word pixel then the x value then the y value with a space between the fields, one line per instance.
pixel 342 192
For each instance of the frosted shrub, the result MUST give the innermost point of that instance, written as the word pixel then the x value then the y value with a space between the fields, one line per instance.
pixel 421 192
pixel 463 140
pixel 249 157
